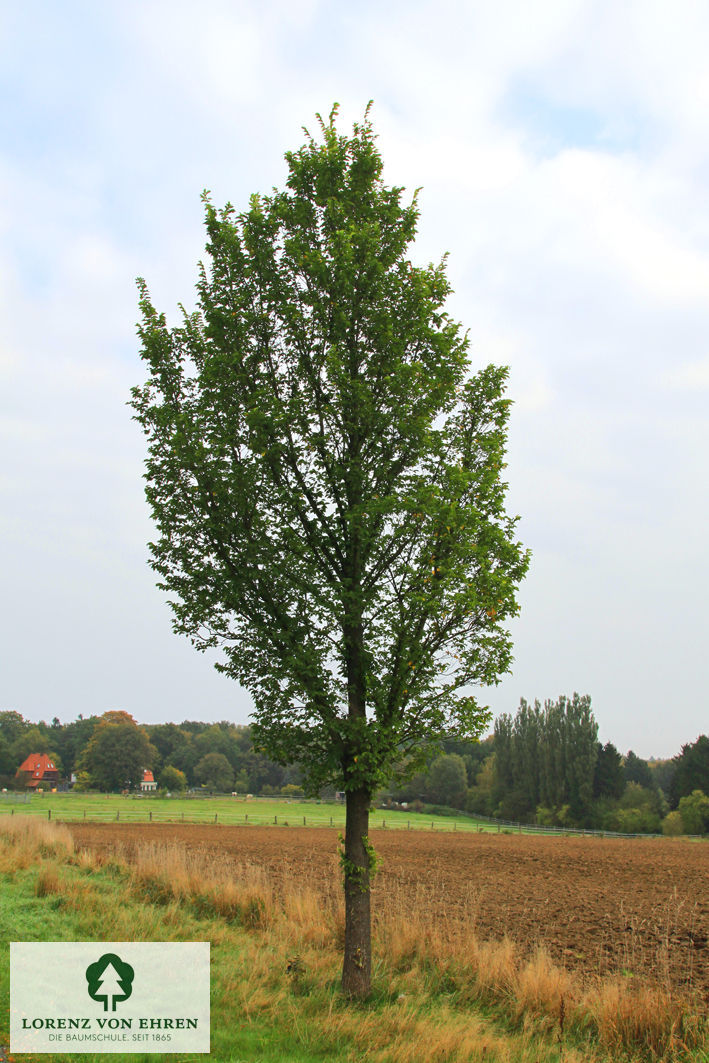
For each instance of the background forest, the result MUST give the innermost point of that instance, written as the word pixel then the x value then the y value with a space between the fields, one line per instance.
pixel 543 765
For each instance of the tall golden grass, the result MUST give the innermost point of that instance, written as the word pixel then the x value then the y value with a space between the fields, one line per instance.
pixel 26 838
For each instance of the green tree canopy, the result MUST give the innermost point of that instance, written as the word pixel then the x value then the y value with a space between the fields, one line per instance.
pixel 215 771
pixel 30 741
pixel 166 737
pixel 12 725
pixel 694 810
pixel 325 474
pixel 218 739
pixel 637 770
pixel 117 753
pixel 546 758
pixel 663 771
pixel 609 778
pixel 184 756
pixel 172 779
pixel 8 764
pixel 71 739
pixel 448 780
pixel 691 769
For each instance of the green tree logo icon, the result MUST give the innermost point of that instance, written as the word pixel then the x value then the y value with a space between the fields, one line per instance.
pixel 110 980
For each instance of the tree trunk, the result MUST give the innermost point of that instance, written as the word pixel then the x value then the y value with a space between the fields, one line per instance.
pixel 357 966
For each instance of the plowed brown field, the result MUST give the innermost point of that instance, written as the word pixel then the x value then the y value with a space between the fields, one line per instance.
pixel 598 904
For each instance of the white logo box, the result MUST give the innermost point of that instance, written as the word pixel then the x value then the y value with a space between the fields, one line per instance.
pixel 109 996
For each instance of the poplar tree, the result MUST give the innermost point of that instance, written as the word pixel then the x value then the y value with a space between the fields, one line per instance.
pixel 325 475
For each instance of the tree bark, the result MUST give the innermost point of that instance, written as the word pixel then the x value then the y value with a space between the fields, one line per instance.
pixel 357 966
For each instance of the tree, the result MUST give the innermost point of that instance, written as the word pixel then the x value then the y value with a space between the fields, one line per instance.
pixel 70 740
pixel 672 825
pixel 8 764
pixel 291 790
pixel 117 752
pixel 31 741
pixel 173 779
pixel 503 766
pixel 691 769
pixel 215 771
pixel 325 477
pixel 262 772
pixel 546 759
pixel 608 779
pixel 480 796
pixel 448 780
pixel 184 757
pixel 12 725
pixel 527 739
pixel 637 770
pixel 663 772
pixel 694 810
pixel 166 737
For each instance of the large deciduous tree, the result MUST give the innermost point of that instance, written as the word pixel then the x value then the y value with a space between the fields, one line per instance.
pixel 215 771
pixel 448 780
pixel 117 752
pixel 325 476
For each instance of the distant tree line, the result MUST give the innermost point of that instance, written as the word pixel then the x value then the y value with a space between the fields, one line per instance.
pixel 543 765
pixel 546 766
pixel 110 752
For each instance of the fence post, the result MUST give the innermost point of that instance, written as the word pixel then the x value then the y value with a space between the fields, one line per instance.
pixel 215 817
pixel 183 817
pixel 49 814
pixel 12 812
pixel 303 820
pixel 84 813
pixel 246 817
pixel 408 824
pixel 498 828
pixel 454 826
pixel 330 820
pixel 118 815
pixel 384 823
pixel 150 815
pixel 275 819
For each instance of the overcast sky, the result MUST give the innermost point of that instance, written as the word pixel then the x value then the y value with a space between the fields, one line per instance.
pixel 563 150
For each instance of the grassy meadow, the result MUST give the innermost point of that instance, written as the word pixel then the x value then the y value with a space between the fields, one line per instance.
pixel 257 811
pixel 276 962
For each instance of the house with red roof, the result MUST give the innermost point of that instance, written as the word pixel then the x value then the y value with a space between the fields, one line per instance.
pixel 148 782
pixel 40 771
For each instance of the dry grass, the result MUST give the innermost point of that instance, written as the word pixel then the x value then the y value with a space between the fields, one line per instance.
pixel 240 894
pixel 629 1016
pixel 27 840
pixel 542 988
pixel 26 837
pixel 48 881
pixel 86 860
